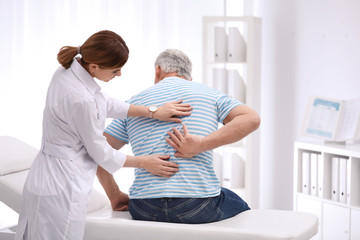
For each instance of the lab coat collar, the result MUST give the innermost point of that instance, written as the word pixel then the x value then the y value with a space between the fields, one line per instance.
pixel 84 77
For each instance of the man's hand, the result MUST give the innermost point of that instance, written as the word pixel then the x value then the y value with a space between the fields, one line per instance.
pixel 186 145
pixel 120 202
pixel 171 111
pixel 158 165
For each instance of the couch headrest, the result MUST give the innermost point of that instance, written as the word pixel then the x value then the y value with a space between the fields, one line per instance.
pixel 15 155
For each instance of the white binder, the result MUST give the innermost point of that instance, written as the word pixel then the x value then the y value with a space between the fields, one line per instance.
pixel 218 166
pixel 335 178
pixel 220 45
pixel 236 85
pixel 236 46
pixel 314 173
pixel 220 79
pixel 342 179
pixel 320 176
pixel 233 170
pixel 306 172
pixel 348 181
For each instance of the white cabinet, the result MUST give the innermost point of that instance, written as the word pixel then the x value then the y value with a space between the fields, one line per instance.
pixel 355 221
pixel 337 199
pixel 311 205
pixel 232 64
pixel 335 222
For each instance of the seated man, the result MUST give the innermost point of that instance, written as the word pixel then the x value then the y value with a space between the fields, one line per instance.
pixel 193 194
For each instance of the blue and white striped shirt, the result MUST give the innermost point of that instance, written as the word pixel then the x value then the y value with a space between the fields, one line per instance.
pixel 196 177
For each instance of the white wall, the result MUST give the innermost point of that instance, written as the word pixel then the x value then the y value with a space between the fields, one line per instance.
pixel 32 32
pixel 309 48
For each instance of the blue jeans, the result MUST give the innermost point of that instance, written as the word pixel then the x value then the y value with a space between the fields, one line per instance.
pixel 188 210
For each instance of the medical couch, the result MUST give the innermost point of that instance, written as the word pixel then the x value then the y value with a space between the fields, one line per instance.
pixel 104 224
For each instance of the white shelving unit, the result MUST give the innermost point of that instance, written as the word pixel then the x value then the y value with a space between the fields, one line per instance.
pixel 338 219
pixel 250 71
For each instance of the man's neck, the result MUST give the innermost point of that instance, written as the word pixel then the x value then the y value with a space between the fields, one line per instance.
pixel 173 74
pixel 165 75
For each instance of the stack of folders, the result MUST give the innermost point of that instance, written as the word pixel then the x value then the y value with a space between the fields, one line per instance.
pixel 230 169
pixel 229 48
pixel 340 179
pixel 218 166
pixel 230 82
pixel 312 173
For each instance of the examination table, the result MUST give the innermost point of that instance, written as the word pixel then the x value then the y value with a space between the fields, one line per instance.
pixel 102 223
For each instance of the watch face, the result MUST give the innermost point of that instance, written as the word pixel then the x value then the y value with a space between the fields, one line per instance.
pixel 152 108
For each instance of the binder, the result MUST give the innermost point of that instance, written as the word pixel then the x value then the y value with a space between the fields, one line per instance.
pixel 226 174
pixel 236 85
pixel 220 44
pixel 217 164
pixel 335 178
pixel 220 79
pixel 314 173
pixel 306 172
pixel 233 170
pixel 342 179
pixel 348 182
pixel 236 46
pixel 320 175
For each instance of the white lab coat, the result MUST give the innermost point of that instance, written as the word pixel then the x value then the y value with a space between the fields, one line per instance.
pixel 55 195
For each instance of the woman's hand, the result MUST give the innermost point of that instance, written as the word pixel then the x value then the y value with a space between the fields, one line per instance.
pixel 120 202
pixel 186 145
pixel 159 165
pixel 171 111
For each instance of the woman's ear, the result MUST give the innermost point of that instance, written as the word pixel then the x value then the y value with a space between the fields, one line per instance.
pixel 93 68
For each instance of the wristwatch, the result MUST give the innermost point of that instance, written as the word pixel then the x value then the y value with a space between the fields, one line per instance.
pixel 152 110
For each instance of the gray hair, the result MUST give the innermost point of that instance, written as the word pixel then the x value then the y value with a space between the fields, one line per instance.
pixel 173 60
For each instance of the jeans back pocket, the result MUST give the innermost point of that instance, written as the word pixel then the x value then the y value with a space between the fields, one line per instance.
pixel 200 211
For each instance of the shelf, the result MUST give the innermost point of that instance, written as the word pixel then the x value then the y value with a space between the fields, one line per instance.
pixel 245 73
pixel 357 208
pixel 337 173
pixel 225 63
pixel 232 19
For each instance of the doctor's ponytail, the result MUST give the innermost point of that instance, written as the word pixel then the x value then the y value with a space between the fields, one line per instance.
pixel 66 55
pixel 105 48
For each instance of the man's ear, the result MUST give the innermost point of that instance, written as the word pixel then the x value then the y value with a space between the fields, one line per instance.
pixel 157 70
pixel 157 73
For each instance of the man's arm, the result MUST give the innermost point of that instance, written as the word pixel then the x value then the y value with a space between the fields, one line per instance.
pixel 240 122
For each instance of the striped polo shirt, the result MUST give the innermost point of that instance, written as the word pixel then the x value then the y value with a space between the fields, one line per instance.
pixel 196 177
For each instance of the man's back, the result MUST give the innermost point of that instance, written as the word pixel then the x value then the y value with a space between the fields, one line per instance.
pixel 196 177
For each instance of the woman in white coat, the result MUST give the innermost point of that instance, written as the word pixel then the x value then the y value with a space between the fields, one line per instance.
pixel 56 192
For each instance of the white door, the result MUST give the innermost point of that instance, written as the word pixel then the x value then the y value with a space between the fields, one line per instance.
pixel 355 220
pixel 335 222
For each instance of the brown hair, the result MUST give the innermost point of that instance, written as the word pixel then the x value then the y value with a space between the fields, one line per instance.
pixel 105 48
